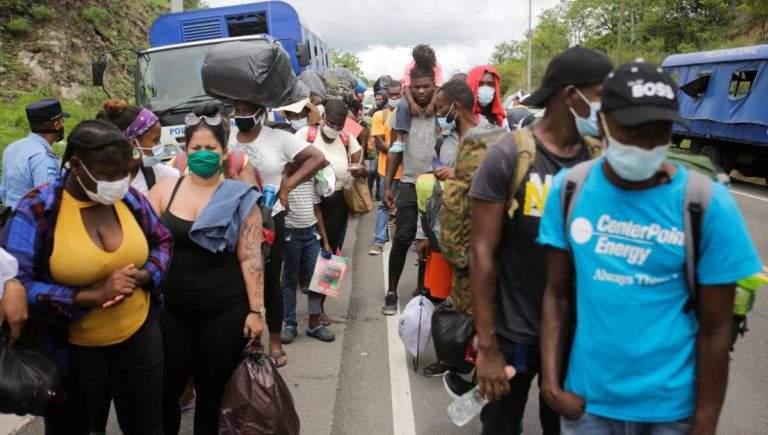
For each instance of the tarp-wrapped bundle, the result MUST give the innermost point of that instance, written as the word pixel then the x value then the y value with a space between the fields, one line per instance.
pixel 256 71
pixel 339 82
pixel 314 82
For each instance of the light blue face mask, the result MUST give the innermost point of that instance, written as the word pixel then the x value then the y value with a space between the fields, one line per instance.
pixel 587 126
pixel 397 147
pixel 393 102
pixel 155 159
pixel 631 162
pixel 485 94
pixel 298 124
pixel 443 126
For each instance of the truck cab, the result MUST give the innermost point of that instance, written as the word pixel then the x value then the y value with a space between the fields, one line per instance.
pixel 168 74
pixel 723 94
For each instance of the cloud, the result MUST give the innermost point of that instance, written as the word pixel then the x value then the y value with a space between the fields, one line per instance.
pixel 462 32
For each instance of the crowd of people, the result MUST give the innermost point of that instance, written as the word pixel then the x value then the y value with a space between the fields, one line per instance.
pixel 563 235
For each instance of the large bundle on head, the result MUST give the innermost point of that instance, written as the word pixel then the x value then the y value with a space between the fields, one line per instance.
pixel 256 71
pixel 314 82
pixel 339 82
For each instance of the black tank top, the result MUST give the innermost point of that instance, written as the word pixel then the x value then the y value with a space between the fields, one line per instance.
pixel 200 282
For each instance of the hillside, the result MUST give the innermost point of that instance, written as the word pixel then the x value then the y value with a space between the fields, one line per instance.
pixel 47 46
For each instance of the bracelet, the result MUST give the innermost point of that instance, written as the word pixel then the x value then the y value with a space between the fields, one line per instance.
pixel 259 311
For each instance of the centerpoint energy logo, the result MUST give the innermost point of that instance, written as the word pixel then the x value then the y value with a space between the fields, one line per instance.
pixel 624 238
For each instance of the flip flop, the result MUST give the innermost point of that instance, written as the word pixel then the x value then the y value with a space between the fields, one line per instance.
pixel 276 358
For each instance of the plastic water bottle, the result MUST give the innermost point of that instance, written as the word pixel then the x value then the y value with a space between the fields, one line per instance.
pixel 270 192
pixel 466 407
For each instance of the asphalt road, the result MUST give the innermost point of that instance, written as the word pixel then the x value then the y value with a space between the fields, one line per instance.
pixel 364 384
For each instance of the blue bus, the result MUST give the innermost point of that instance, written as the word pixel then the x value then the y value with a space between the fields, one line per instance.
pixel 167 75
pixel 723 94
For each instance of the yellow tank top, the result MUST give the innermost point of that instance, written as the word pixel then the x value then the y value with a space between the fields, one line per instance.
pixel 76 261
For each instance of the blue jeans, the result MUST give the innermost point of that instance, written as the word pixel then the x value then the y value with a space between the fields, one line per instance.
pixel 594 425
pixel 302 246
pixel 380 233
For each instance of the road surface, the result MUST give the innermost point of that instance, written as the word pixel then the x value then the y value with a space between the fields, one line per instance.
pixel 363 383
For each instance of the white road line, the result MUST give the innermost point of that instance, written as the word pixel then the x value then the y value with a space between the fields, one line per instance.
pixel 399 383
pixel 749 195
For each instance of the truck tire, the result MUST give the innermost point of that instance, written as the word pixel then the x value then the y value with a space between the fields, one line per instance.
pixel 715 155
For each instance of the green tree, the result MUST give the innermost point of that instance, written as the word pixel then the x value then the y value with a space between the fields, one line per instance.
pixel 506 51
pixel 349 61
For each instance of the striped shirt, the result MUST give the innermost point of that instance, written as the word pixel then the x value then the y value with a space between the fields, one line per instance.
pixel 301 205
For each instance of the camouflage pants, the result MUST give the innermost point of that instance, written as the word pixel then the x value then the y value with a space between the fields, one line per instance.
pixel 460 296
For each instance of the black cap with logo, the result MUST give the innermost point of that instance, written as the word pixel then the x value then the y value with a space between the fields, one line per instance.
pixel 45 111
pixel 639 92
pixel 577 66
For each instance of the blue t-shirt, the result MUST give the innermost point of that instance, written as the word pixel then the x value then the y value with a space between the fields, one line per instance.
pixel 633 355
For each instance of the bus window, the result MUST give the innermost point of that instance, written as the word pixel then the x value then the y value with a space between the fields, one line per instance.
pixel 741 83
pixel 247 24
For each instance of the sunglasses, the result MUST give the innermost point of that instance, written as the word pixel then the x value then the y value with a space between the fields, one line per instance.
pixel 192 119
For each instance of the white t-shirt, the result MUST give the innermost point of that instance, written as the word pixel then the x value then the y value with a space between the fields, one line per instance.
pixel 335 152
pixel 161 171
pixel 269 154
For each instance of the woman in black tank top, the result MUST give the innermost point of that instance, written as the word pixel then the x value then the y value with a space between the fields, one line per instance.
pixel 214 296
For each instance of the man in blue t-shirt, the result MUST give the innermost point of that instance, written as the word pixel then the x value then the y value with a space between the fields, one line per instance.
pixel 640 362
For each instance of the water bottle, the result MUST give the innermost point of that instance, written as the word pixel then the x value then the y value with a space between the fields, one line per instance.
pixel 466 407
pixel 270 195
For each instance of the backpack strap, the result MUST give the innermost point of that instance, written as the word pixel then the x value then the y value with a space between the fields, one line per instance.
pixel 573 183
pixel 149 176
pixel 526 154
pixel 235 162
pixel 698 194
pixel 312 133
pixel 180 162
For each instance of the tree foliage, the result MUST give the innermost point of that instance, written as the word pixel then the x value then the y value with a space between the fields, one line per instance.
pixel 349 61
pixel 651 29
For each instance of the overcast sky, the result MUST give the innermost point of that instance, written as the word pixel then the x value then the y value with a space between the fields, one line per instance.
pixel 382 33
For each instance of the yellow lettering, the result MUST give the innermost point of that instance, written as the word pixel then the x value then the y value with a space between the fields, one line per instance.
pixel 536 194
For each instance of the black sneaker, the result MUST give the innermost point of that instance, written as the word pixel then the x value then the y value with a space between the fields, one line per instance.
pixel 435 370
pixel 390 305
pixel 455 385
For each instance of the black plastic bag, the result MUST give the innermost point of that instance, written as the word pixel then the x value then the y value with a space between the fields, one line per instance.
pixel 28 379
pixel 256 399
pixel 451 333
pixel 314 82
pixel 256 71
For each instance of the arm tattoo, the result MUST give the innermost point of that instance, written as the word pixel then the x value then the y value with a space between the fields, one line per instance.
pixel 249 252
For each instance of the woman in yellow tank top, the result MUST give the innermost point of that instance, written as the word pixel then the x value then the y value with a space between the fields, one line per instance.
pixel 92 255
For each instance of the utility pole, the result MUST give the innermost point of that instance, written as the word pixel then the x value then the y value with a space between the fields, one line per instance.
pixel 530 42
pixel 620 32
pixel 177 5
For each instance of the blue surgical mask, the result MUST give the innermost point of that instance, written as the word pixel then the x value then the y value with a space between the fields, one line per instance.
pixel 397 147
pixel 631 162
pixel 485 94
pixel 393 102
pixel 298 124
pixel 587 126
pixel 444 126
pixel 158 152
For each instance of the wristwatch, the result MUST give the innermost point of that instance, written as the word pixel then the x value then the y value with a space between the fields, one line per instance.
pixel 259 311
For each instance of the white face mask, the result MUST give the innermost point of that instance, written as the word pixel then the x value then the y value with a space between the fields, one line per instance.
pixel 298 124
pixel 107 192
pixel 485 95
pixel 330 132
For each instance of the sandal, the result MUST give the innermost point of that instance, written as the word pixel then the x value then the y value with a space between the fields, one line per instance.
pixel 278 358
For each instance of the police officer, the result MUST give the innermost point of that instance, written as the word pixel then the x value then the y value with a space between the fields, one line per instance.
pixel 31 161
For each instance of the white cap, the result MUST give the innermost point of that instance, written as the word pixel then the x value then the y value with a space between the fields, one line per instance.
pixel 296 107
pixel 416 325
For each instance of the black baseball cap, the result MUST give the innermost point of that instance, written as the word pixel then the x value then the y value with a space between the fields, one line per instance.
pixel 45 111
pixel 577 66
pixel 639 92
